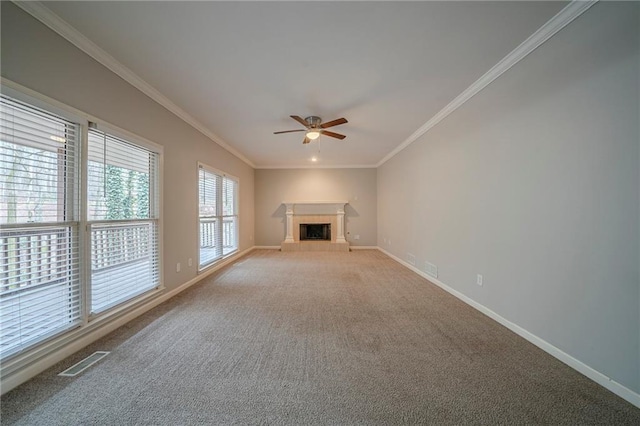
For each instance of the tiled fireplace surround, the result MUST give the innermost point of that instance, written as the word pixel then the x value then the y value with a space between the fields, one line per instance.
pixel 315 212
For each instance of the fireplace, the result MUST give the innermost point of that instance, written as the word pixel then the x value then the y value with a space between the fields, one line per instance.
pixel 315 232
pixel 315 226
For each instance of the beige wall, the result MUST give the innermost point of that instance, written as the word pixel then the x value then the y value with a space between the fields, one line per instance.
pixel 357 186
pixel 534 183
pixel 37 58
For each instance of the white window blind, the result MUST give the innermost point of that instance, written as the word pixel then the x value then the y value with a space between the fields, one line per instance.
pixel 218 215
pixel 40 293
pixel 123 220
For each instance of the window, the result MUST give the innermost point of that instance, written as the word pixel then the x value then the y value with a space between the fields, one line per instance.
pixel 40 292
pixel 123 220
pixel 218 215
pixel 71 248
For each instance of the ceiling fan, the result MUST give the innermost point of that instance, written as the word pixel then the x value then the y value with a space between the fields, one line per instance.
pixel 315 127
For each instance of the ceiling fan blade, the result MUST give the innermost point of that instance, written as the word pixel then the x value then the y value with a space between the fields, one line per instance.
pixel 306 140
pixel 289 131
pixel 333 135
pixel 300 120
pixel 333 123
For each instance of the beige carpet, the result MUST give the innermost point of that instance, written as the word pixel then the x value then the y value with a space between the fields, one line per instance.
pixel 315 338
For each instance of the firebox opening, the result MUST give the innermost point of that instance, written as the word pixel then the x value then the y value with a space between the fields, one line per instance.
pixel 315 231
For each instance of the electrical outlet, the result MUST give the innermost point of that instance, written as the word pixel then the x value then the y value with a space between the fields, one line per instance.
pixel 190 262
pixel 479 280
pixel 178 267
pixel 389 241
pixel 356 237
pixel 411 259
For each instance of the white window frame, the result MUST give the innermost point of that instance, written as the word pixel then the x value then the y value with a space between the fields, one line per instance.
pixel 17 361
pixel 154 213
pixel 212 170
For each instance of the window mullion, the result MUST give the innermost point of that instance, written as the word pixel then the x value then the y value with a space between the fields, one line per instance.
pixel 219 214
pixel 85 245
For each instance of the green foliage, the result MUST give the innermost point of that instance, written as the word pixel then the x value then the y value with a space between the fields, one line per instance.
pixel 114 193
pixel 127 194
pixel 143 194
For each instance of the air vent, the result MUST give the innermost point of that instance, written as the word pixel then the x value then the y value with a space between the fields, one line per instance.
pixel 431 269
pixel 84 364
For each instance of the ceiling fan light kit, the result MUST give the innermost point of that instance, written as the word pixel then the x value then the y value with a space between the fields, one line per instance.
pixel 314 127
pixel 313 134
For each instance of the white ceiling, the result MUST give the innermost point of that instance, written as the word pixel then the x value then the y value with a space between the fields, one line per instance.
pixel 241 68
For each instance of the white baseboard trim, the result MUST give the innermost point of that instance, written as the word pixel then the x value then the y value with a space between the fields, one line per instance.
pixel 350 246
pixel 55 352
pixel 601 379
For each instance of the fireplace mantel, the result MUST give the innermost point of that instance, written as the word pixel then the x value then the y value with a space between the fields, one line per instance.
pixel 314 211
pixel 315 207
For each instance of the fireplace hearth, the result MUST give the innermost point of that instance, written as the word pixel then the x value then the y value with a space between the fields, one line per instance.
pixel 315 232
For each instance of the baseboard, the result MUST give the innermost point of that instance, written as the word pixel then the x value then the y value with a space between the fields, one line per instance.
pixel 80 338
pixel 593 374
pixel 350 246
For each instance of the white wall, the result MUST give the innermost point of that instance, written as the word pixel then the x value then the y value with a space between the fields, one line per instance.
pixel 534 183
pixel 39 59
pixel 357 186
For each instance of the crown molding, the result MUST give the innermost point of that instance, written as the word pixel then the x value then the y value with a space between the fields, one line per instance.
pixel 355 166
pixel 544 33
pixel 64 29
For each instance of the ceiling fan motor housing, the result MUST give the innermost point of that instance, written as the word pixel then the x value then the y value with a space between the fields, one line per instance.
pixel 313 121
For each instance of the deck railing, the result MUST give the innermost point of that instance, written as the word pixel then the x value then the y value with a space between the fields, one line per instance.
pixel 33 256
pixel 209 232
pixel 124 262
pixel 114 245
pixel 210 247
pixel 39 290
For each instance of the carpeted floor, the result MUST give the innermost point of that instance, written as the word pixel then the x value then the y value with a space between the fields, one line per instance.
pixel 315 338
